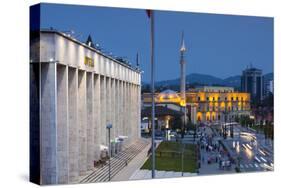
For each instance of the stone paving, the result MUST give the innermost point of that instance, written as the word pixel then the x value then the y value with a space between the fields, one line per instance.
pixel 213 167
pixel 146 174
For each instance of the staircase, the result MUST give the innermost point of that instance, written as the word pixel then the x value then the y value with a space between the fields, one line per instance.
pixel 117 163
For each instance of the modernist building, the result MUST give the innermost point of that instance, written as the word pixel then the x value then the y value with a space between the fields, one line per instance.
pixel 205 104
pixel 252 82
pixel 75 91
pixel 267 86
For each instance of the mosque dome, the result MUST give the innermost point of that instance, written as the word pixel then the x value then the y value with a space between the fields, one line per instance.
pixel 168 95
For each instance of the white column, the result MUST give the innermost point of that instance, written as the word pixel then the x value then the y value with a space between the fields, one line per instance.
pixel 123 109
pixel 131 112
pixel 139 110
pixel 97 116
pixel 48 119
pixel 82 121
pixel 113 93
pixel 127 103
pixel 116 99
pixel 62 123
pixel 120 108
pixel 73 124
pixel 90 120
pixel 103 110
pixel 135 120
pixel 108 107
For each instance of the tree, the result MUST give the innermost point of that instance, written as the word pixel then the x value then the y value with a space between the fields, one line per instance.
pixel 176 123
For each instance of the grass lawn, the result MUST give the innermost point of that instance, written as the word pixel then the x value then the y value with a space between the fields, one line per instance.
pixel 169 158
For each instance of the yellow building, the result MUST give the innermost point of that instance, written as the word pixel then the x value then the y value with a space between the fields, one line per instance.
pixel 205 104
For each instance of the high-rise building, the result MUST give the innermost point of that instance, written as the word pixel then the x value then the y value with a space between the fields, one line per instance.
pixel 251 82
pixel 267 86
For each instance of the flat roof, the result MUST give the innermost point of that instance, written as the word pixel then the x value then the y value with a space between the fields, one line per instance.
pixel 89 47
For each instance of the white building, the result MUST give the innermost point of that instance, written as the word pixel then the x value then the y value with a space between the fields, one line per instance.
pixel 75 91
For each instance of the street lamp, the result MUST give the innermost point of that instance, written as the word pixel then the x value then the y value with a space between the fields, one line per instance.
pixel 182 153
pixel 108 127
pixel 224 127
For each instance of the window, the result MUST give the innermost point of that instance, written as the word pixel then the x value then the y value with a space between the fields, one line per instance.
pixel 198 98
pixel 225 98
pixel 237 98
pixel 207 98
pixel 213 98
pixel 219 98
pixel 231 98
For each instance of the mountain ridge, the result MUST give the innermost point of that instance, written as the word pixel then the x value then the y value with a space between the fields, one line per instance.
pixel 208 80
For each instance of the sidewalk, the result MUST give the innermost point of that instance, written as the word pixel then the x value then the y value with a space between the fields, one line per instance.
pixel 213 168
pixel 133 166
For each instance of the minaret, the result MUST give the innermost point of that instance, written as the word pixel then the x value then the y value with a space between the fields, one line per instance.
pixel 182 69
pixel 182 86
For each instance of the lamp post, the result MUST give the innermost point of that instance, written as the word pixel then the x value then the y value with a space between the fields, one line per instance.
pixel 109 126
pixel 182 159
pixel 224 127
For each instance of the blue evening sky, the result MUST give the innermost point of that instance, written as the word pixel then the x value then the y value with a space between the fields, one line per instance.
pixel 218 45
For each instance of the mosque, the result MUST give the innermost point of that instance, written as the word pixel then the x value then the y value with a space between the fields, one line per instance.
pixel 204 104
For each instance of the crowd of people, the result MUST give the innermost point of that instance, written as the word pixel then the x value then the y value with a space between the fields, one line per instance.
pixel 211 151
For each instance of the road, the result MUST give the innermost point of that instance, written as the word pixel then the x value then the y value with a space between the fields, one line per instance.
pixel 254 151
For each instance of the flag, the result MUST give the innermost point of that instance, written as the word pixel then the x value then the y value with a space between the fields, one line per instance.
pixel 148 12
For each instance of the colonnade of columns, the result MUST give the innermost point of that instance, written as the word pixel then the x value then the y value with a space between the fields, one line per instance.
pixel 75 106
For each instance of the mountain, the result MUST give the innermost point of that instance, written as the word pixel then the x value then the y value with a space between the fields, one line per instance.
pixel 196 79
pixel 233 81
pixel 193 78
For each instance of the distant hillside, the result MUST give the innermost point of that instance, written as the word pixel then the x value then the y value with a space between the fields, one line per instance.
pixel 203 79
pixel 233 81
pixel 196 79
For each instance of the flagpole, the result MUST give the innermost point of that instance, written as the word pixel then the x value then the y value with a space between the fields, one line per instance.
pixel 152 91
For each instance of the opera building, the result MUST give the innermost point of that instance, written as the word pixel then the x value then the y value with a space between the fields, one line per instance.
pixel 204 104
pixel 75 92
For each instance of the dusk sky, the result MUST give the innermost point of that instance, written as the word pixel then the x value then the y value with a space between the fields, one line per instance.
pixel 218 45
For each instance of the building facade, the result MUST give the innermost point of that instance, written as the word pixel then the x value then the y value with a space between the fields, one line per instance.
pixel 75 91
pixel 205 104
pixel 252 82
pixel 267 86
